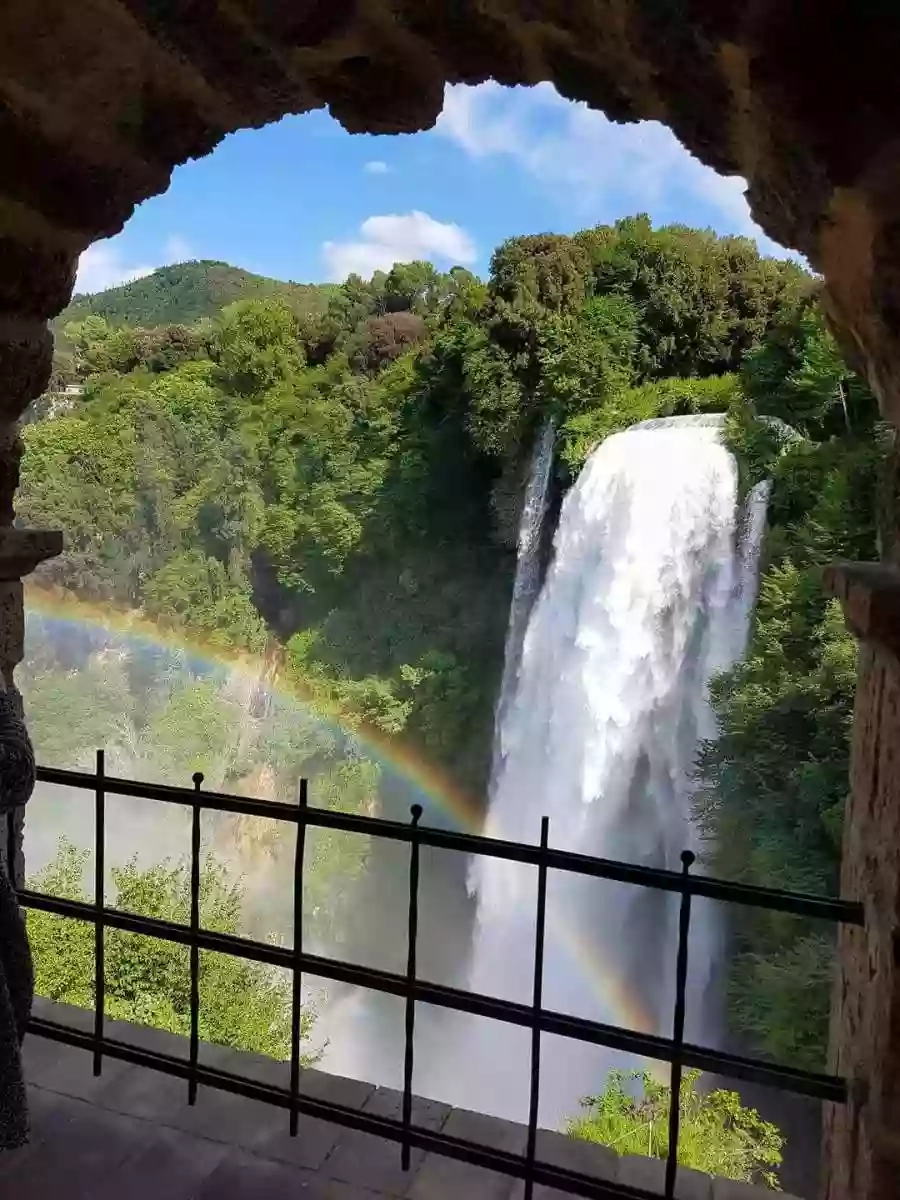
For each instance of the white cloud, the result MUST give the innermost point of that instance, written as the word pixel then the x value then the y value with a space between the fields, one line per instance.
pixel 107 264
pixel 103 265
pixel 376 167
pixel 178 249
pixel 602 169
pixel 394 238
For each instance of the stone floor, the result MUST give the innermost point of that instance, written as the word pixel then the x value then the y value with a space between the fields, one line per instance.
pixel 130 1135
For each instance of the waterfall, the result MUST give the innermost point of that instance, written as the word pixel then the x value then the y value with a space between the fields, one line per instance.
pixel 753 527
pixel 528 563
pixel 649 594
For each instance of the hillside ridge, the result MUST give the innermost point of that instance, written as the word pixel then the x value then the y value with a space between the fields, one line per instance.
pixel 183 293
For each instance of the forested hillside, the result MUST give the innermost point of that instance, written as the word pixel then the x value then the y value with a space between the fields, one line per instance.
pixel 343 479
pixel 187 292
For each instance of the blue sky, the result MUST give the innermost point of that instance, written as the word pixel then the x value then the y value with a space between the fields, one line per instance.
pixel 304 200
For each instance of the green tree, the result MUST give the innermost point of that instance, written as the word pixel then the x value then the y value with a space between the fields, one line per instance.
pixel 798 374
pixel 704 302
pixel 257 346
pixel 717 1134
pixel 411 287
pixel 81 473
pixel 586 357
pixel 245 1005
pixel 194 590
pixel 548 270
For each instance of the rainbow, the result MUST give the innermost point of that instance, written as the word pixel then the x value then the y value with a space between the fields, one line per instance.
pixel 620 1002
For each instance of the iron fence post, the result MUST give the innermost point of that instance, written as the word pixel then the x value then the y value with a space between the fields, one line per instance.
pixel 410 1023
pixel 684 928
pixel 195 943
pixel 99 931
pixel 537 1002
pixel 297 976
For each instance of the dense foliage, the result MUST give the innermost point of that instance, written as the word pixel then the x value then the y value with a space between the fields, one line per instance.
pixel 337 483
pixel 774 784
pixel 245 1005
pixel 717 1134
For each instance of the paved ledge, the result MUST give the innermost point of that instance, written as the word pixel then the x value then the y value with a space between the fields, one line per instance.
pixel 131 1133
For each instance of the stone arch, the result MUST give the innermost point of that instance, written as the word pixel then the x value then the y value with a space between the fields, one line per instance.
pixel 101 99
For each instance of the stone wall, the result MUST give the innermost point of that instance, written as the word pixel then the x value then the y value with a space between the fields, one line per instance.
pixel 863 1137
pixel 332 1155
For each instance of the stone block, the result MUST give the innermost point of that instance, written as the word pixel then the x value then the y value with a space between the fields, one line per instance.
pixel 318 1084
pixel 446 1179
pixel 68 1070
pixel 315 1139
pixel 310 1149
pixel 576 1154
pixel 36 273
pixel 243 1176
pixel 335 1189
pixel 26 358
pixel 145 1037
pixel 486 1130
pixel 388 1102
pixel 11 450
pixel 139 1092
pixel 730 1189
pixel 171 1164
pixel 22 549
pixel 441 1178
pixel 12 624
pixel 650 1174
pixel 366 1160
pixel 77 1146
pixel 225 1117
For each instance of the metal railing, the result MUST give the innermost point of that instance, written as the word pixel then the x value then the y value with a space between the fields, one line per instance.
pixel 675 1050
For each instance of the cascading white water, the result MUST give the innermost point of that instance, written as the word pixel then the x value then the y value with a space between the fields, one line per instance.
pixel 648 595
pixel 528 565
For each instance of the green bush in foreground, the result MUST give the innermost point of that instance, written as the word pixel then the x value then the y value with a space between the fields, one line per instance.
pixel 717 1135
pixel 245 1005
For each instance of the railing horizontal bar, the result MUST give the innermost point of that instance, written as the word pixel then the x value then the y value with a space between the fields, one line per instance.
pixel 820 907
pixel 753 1070
pixel 168 794
pixel 844 912
pixel 824 1087
pixel 514 1165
